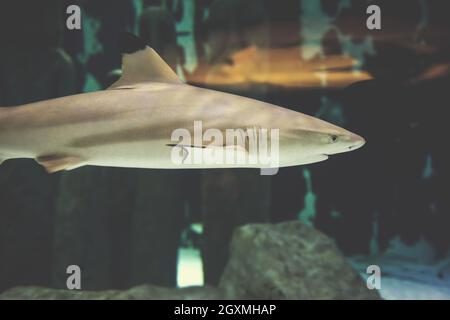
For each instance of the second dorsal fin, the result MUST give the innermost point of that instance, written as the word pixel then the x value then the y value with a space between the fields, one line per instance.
pixel 141 63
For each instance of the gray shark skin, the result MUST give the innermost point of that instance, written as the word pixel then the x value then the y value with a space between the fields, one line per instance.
pixel 130 124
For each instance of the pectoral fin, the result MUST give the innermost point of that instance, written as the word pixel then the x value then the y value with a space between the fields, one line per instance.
pixel 58 162
pixel 212 153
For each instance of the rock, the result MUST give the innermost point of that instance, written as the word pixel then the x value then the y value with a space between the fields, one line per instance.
pixel 143 292
pixel 289 261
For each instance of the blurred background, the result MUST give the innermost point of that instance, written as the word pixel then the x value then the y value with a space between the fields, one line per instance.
pixel 387 203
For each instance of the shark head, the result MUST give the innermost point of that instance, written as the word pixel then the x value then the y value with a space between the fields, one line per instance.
pixel 305 139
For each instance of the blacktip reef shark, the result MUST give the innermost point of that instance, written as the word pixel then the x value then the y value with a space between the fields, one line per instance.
pixel 130 124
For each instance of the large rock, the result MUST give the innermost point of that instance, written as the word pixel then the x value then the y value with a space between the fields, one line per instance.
pixel 289 261
pixel 143 292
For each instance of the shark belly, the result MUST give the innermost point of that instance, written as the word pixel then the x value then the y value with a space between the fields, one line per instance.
pixel 134 154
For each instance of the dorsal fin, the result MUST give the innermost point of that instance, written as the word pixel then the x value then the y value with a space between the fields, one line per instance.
pixel 141 63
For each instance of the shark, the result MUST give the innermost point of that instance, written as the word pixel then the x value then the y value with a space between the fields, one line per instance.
pixel 131 123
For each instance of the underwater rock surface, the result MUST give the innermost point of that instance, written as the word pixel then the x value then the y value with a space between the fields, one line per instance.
pixel 142 292
pixel 268 261
pixel 289 261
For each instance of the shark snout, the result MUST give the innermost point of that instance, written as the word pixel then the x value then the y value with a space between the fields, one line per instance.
pixel 349 141
pixel 355 141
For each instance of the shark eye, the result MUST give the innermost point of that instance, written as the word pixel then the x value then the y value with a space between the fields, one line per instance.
pixel 334 138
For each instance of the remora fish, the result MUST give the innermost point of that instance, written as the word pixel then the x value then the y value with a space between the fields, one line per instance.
pixel 130 124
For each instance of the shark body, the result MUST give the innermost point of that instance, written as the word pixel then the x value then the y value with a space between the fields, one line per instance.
pixel 131 123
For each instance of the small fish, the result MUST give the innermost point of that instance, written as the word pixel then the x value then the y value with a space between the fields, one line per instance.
pixel 131 123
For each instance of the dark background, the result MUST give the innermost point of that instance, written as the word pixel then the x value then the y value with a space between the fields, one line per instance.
pixel 123 226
